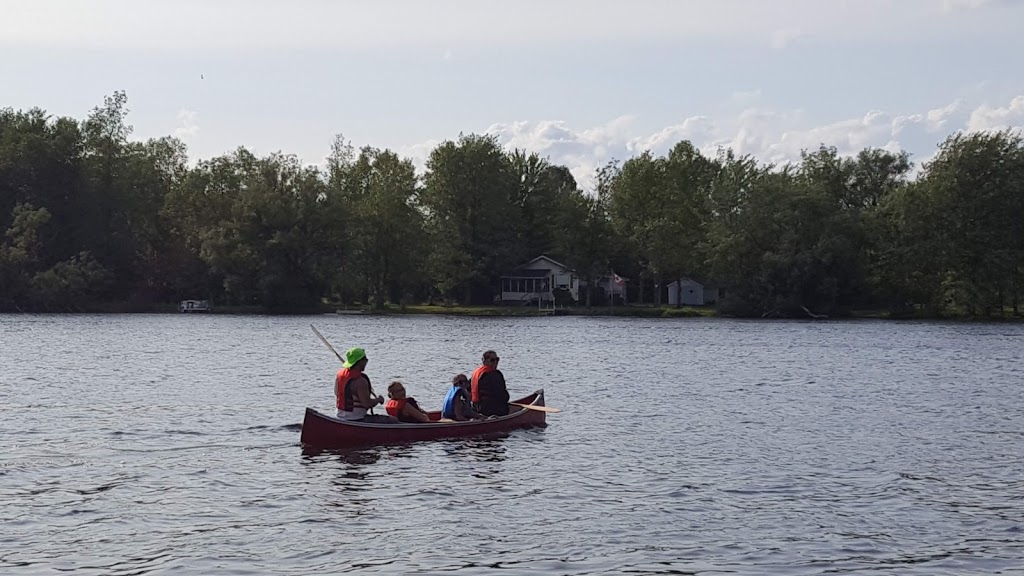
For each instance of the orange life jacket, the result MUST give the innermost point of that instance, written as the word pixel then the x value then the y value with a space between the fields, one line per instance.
pixel 474 395
pixel 346 399
pixel 394 407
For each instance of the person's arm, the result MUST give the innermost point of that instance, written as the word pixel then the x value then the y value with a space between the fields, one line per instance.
pixel 471 414
pixel 501 391
pixel 460 413
pixel 362 390
pixel 412 411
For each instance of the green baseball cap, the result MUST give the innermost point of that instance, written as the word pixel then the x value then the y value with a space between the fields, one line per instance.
pixel 353 355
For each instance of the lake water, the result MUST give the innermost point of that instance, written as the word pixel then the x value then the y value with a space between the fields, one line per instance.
pixel 166 444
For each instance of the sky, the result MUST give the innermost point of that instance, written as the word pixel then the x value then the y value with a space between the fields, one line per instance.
pixel 580 82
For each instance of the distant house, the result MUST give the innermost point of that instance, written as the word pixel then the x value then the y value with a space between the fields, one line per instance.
pixel 691 292
pixel 537 280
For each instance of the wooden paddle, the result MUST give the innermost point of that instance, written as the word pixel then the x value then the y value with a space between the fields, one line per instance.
pixel 549 409
pixel 328 344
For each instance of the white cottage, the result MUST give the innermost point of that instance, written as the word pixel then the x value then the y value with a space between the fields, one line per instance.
pixel 537 280
pixel 690 292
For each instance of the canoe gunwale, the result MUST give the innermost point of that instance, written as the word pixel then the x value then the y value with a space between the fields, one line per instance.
pixel 534 397
pixel 323 430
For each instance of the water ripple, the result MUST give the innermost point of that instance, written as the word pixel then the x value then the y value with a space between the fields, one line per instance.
pixel 169 444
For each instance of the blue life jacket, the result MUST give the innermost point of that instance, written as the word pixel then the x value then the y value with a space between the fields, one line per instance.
pixel 455 394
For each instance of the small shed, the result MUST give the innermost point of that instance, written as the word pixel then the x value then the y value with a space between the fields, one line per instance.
pixel 691 292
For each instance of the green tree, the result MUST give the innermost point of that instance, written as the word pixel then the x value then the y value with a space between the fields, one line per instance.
pixel 387 230
pixel 470 218
pixel 263 224
pixel 971 202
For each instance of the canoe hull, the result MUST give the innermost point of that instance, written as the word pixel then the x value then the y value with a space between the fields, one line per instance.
pixel 320 430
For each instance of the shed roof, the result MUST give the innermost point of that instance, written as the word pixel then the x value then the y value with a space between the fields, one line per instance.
pixel 699 281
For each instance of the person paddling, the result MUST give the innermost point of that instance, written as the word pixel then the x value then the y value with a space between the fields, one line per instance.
pixel 488 392
pixel 353 391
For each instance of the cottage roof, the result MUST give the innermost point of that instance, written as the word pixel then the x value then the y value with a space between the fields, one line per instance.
pixel 549 259
pixel 528 273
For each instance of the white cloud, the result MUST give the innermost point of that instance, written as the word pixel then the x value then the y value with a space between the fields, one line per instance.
pixel 988 118
pixel 187 127
pixel 770 136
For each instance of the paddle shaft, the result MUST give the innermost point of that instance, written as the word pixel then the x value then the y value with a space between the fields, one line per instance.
pixel 328 344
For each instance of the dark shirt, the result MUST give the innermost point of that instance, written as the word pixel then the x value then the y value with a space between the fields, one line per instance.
pixel 493 394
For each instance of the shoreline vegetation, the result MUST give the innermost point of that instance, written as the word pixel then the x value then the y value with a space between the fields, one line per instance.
pixel 499 311
pixel 92 219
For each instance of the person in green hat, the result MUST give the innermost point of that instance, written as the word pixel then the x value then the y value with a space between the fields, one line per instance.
pixel 353 391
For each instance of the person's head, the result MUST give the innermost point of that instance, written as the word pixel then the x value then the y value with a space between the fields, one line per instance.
pixel 490 358
pixel 461 381
pixel 396 390
pixel 355 358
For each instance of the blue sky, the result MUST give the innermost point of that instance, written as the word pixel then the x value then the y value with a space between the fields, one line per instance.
pixel 578 81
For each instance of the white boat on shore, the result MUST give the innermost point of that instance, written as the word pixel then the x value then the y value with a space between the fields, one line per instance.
pixel 194 306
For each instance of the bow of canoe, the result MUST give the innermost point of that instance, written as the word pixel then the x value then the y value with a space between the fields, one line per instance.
pixel 320 430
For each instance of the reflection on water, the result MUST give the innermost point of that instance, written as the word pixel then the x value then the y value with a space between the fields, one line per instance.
pixel 353 457
pixel 490 449
pixel 684 447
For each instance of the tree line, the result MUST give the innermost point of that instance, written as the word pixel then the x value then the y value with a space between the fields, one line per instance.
pixel 91 216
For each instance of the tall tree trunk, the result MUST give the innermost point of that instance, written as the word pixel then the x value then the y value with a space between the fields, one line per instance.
pixel 1013 292
pixel 641 294
pixel 378 292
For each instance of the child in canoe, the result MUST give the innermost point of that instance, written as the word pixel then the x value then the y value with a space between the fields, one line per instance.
pixel 402 407
pixel 456 405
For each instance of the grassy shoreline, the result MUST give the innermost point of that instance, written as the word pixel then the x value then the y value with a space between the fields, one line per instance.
pixel 647 311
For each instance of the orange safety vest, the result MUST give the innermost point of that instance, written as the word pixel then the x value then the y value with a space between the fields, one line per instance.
pixel 394 407
pixel 474 395
pixel 346 400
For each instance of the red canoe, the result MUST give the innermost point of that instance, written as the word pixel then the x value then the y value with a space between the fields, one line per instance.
pixel 322 431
